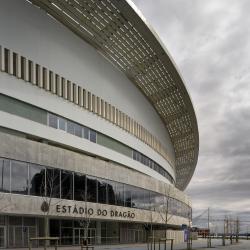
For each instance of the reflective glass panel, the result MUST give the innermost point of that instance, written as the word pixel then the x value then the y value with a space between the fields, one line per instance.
pixel 92 136
pixel 128 195
pixel 138 156
pixel 19 177
pixel 153 200
pixel 29 221
pixel 147 199
pixel 70 127
pixel 151 163
pixel 102 191
pixel 79 187
pixel 54 228
pixel 53 182
pixel 37 179
pixel 78 130
pixel 111 186
pixel 4 175
pixel 162 202
pixel 66 185
pixel 86 133
pixel 62 123
pixel 119 194
pixel 91 189
pixel 66 236
pixel 134 154
pixel 138 198
pixel 53 121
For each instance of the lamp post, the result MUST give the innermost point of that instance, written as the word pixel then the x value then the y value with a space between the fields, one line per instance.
pixel 208 226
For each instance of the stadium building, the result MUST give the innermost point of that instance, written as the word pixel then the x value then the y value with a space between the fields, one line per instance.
pixel 98 135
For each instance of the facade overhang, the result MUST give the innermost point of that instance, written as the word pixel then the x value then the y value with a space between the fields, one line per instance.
pixel 119 32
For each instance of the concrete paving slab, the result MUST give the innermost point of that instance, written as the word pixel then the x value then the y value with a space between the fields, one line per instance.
pixel 197 245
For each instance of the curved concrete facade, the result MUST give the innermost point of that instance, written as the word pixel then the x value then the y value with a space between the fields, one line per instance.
pixel 51 44
pixel 67 108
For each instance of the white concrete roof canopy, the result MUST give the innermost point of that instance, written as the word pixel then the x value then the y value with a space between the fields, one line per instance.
pixel 119 32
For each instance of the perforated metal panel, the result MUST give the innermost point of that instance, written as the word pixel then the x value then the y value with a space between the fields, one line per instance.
pixel 119 32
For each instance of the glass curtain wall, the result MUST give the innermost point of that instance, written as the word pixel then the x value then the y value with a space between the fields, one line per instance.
pixel 31 179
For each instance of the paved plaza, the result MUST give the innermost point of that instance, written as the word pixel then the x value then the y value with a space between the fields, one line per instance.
pixel 197 245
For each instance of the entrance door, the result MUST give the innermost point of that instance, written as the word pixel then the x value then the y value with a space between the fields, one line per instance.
pixel 2 237
pixel 135 236
pixel 15 236
pixel 91 236
pixel 19 235
pixel 78 235
pixel 28 232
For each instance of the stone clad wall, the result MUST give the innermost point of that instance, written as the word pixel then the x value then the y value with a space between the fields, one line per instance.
pixel 18 148
pixel 31 206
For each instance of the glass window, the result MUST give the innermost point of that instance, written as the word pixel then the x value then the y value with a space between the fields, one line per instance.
pixel 86 133
pixel 134 154
pixel 128 195
pixel 147 199
pixel 66 185
pixel 154 206
pixel 62 123
pixel 54 226
pixel 160 170
pixel 173 206
pixel 36 180
pixel 92 136
pixel 143 159
pixel 15 220
pixel 138 198
pixel 78 130
pixel 66 236
pixel 150 163
pixel 29 221
pixel 53 183
pixel 179 207
pixel 102 191
pixel 4 175
pixel 2 220
pixel 19 177
pixel 111 186
pixel 71 127
pixel 162 202
pixel 53 121
pixel 91 189
pixel 138 156
pixel 156 167
pixel 79 187
pixel 67 223
pixel 119 194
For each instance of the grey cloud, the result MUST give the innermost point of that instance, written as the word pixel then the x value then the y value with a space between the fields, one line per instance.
pixel 210 42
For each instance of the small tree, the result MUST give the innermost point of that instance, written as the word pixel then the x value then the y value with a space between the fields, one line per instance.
pixel 165 209
pixel 189 239
pixel 149 226
pixel 49 189
pixel 237 229
pixel 85 220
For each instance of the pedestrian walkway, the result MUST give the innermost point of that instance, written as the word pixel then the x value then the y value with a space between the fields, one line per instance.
pixel 197 245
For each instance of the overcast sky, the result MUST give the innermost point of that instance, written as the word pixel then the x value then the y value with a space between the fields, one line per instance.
pixel 210 43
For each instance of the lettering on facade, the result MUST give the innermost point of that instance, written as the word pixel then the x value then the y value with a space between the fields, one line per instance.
pixel 78 210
